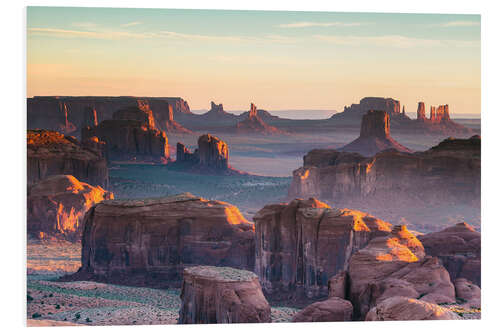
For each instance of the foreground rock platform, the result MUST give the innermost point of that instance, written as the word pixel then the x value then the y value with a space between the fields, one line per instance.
pixel 149 242
pixel 226 295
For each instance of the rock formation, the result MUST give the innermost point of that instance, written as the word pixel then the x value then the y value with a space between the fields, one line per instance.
pixel 421 111
pixel 448 174
pixel 253 124
pixel 396 265
pixel 375 135
pixel 149 242
pixel 468 292
pixel 165 122
pixel 222 295
pixel 333 309
pixel 211 156
pixel 57 205
pixel 66 113
pixel 51 153
pixel 131 135
pixel 301 245
pixel 89 117
pixel 404 308
pixel 459 249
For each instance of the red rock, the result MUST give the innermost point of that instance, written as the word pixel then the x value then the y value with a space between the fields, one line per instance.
pixel 468 292
pixel 57 205
pixel 375 135
pixel 226 295
pixel 51 153
pixel 404 308
pixel 459 249
pixel 89 117
pixel 333 309
pixel 131 135
pixel 337 285
pixel 149 242
pixel 301 245
pixel 253 124
pixel 213 152
pixel 421 111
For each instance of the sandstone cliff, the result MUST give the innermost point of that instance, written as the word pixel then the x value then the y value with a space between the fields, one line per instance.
pixel 131 135
pixel 301 245
pixel 375 135
pixel 51 153
pixel 149 242
pixel 57 205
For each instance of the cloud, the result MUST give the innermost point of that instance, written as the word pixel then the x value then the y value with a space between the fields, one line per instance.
pixel 130 24
pixel 458 24
pixel 320 24
pixel 85 25
pixel 89 34
pixel 397 41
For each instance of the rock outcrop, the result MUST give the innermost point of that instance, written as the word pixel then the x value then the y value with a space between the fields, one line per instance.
pixel 222 295
pixel 89 117
pixel 131 136
pixel 375 135
pixel 52 153
pixel 404 308
pixel 396 265
pixel 253 124
pixel 448 174
pixel 149 242
pixel 65 113
pixel 333 309
pixel 300 245
pixel 459 249
pixel 468 292
pixel 211 157
pixel 57 205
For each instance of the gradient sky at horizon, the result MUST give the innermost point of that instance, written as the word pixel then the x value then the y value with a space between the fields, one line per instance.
pixel 278 60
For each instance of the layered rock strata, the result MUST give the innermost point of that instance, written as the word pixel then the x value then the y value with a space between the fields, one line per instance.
pixel 222 295
pixel 300 245
pixel 57 205
pixel 52 153
pixel 149 242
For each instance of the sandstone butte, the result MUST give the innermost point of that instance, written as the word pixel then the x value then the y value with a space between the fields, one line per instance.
pixel 52 153
pixel 131 135
pixel 300 245
pixel 57 205
pixel 211 157
pixel 222 295
pixel 149 242
pixel 375 135
pixel 393 177
pixel 254 124
pixel 67 114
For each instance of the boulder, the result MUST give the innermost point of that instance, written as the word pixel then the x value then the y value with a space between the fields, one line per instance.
pixel 459 249
pixel 222 295
pixel 300 245
pixel 57 205
pixel 333 309
pixel 52 153
pixel 131 135
pixel 396 265
pixel 149 242
pixel 404 308
pixel 468 292
pixel 375 135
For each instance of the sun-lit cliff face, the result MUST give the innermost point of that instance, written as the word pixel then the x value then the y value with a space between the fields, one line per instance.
pixel 57 206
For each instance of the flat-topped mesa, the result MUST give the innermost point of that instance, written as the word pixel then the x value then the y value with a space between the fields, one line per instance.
pixel 216 295
pixel 389 105
pixel 300 245
pixel 149 242
pixel 375 135
pixel 89 117
pixel 52 153
pixel 131 135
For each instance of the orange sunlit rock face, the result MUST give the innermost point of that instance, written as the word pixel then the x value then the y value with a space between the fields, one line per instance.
pixel 57 205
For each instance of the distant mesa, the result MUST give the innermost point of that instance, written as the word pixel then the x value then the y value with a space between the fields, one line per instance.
pixel 171 126
pixel 131 135
pixel 374 136
pixel 52 153
pixel 211 156
pixel 253 124
pixel 217 112
pixel 356 111
pixel 441 114
pixel 57 205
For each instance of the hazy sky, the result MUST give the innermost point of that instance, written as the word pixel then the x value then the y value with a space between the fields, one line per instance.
pixel 278 60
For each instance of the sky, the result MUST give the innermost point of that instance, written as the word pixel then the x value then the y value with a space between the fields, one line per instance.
pixel 279 60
